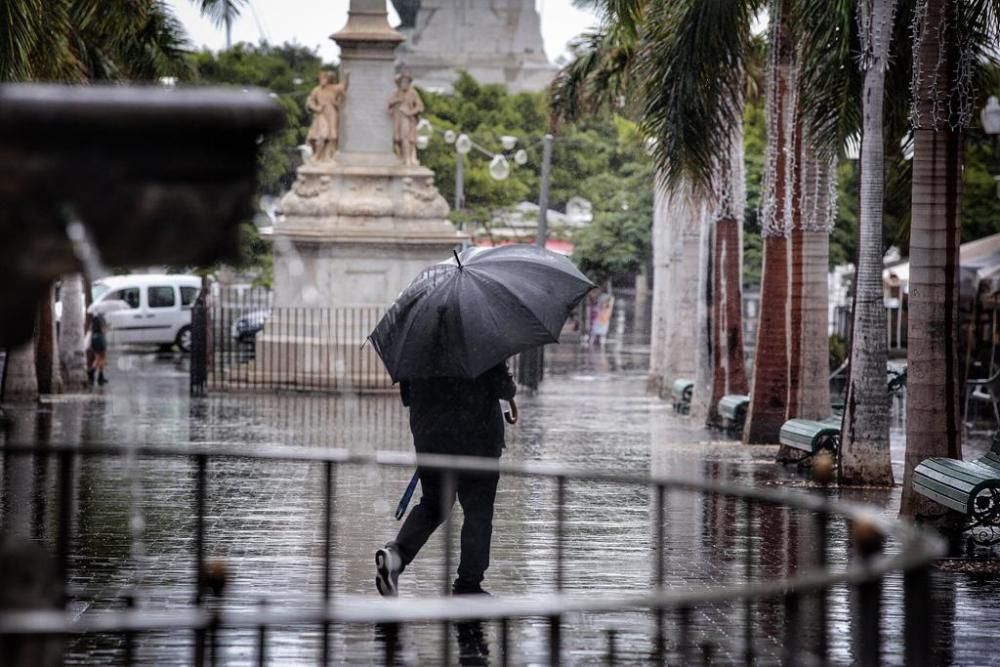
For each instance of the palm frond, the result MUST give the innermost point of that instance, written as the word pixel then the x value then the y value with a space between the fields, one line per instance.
pixel 979 32
pixel 689 68
pixel 830 80
pixel 158 46
pixel 21 23
pixel 596 78
pixel 221 12
pixel 620 18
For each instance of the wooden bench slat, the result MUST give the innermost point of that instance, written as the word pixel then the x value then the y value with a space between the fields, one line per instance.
pixel 945 470
pixel 946 501
pixel 946 486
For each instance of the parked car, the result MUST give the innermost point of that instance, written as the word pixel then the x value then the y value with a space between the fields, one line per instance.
pixel 249 324
pixel 159 311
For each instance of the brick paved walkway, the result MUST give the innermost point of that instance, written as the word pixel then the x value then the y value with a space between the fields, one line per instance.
pixel 264 518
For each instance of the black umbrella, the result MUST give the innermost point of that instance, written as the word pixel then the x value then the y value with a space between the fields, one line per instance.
pixel 462 317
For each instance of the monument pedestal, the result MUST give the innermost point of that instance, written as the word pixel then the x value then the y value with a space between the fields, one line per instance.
pixel 353 231
pixel 347 241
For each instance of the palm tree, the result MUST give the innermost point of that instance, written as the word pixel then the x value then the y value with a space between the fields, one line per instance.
pixel 769 391
pixel 603 72
pixel 223 13
pixel 729 375
pixel 864 449
pixel 661 292
pixel 681 339
pixel 47 347
pixel 818 196
pixel 71 353
pixel 949 37
pixel 20 381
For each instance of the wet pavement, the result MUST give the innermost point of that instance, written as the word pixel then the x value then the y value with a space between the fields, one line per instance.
pixel 134 519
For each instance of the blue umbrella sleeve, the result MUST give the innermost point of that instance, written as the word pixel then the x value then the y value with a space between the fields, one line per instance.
pixel 404 502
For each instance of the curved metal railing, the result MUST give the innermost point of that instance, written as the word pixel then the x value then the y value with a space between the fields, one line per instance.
pixel 864 572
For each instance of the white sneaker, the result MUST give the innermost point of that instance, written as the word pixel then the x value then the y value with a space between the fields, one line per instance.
pixel 388 563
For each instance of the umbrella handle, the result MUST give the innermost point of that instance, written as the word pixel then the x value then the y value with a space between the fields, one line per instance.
pixel 511 415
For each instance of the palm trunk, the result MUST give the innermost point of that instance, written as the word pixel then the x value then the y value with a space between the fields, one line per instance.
pixel 706 342
pixel 796 289
pixel 20 379
pixel 661 289
pixel 719 312
pixel 818 197
pixel 730 232
pixel 72 357
pixel 932 406
pixel 809 395
pixel 47 347
pixel 729 375
pixel 769 392
pixel 814 369
pixel 864 451
pixel 682 330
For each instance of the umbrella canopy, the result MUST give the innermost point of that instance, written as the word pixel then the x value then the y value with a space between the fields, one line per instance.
pixel 461 317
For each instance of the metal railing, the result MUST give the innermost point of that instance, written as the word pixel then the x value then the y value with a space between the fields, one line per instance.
pixel 241 341
pixel 802 593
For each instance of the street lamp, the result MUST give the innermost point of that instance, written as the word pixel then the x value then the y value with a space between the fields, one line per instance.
pixel 499 168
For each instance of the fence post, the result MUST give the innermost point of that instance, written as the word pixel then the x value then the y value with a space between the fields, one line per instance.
pixel 199 347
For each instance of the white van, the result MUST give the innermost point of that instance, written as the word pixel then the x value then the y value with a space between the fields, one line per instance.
pixel 160 312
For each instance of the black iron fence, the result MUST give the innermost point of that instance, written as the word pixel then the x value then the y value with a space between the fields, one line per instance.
pixel 799 595
pixel 242 341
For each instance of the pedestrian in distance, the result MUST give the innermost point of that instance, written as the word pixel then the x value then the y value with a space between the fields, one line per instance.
pixel 99 350
pixel 457 417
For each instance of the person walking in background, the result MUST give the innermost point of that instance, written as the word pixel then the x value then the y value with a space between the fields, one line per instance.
pixel 457 417
pixel 601 318
pixel 98 349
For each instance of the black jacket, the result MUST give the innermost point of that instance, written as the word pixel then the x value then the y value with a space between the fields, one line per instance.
pixel 458 416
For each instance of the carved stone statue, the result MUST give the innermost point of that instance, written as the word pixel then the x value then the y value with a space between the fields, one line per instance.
pixel 325 102
pixel 405 106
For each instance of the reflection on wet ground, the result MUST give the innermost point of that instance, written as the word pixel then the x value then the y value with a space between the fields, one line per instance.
pixel 134 520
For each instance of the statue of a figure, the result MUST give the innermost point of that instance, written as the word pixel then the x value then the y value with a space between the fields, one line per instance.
pixel 405 106
pixel 325 102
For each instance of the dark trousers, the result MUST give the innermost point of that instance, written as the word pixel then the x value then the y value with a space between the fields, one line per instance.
pixel 476 492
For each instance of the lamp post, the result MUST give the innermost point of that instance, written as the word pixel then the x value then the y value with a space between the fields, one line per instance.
pixel 990 118
pixel 530 361
pixel 541 236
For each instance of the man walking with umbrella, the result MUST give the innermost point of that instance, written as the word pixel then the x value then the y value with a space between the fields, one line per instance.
pixel 457 417
pixel 445 340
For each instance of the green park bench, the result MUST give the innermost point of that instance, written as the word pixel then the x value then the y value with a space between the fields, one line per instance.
pixel 681 391
pixel 971 488
pixel 733 411
pixel 811 436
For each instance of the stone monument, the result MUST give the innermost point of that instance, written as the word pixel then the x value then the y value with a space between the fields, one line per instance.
pixel 362 218
pixel 496 41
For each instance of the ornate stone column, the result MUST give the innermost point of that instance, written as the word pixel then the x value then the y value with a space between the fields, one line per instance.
pixel 355 229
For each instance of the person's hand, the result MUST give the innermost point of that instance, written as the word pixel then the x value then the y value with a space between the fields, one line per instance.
pixel 511 415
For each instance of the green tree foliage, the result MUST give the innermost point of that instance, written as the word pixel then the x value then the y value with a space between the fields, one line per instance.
pixel 601 159
pixel 89 40
pixel 289 73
